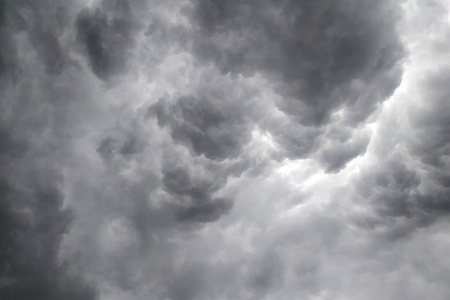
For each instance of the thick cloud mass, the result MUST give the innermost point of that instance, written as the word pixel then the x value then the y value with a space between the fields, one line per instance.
pixel 194 195
pixel 322 55
pixel 206 149
pixel 105 39
pixel 33 223
pixel 208 127
pixel 33 218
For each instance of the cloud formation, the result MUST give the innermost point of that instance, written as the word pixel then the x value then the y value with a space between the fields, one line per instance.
pixel 204 149
pixel 321 56
pixel 209 127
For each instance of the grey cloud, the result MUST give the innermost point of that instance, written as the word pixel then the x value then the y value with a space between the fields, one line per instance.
pixel 211 128
pixel 11 23
pixel 334 155
pixel 216 130
pixel 266 275
pixel 106 39
pixel 436 203
pixel 107 147
pixel 389 188
pixel 34 215
pixel 296 141
pixel 49 49
pixel 45 32
pixel 126 145
pixel 333 146
pixel 32 227
pixel 188 283
pixel 182 201
pixel 390 191
pixel 205 212
pixel 195 201
pixel 431 124
pixel 247 277
pixel 11 147
pixel 322 55
pixel 412 189
pixel 44 29
pixel 146 217
pixel 431 145
pixel 179 182
pixel 131 146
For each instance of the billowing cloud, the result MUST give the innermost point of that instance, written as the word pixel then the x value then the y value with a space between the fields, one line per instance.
pixel 322 56
pixel 209 127
pixel 33 224
pixel 106 38
pixel 205 149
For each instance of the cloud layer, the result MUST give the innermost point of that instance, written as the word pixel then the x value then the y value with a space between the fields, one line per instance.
pixel 224 149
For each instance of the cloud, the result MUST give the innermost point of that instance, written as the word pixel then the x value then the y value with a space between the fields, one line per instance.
pixel 35 217
pixel 33 224
pixel 193 191
pixel 32 228
pixel 106 38
pixel 404 184
pixel 209 127
pixel 339 149
pixel 308 49
pixel 224 150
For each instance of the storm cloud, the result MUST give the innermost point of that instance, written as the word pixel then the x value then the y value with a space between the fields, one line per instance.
pixel 208 127
pixel 206 149
pixel 322 56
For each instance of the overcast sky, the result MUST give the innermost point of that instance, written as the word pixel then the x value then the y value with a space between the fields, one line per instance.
pixel 224 149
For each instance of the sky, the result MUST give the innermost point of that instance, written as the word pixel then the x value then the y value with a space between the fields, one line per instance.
pixel 224 149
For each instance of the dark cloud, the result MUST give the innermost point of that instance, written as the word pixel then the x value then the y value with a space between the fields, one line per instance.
pixel 45 33
pixel 49 49
pixel 34 216
pixel 188 283
pixel 209 127
pixel 431 146
pixel 389 189
pixel 241 182
pixel 217 131
pixel 194 195
pixel 126 144
pixel 296 141
pixel 431 123
pixel 337 151
pixel 107 147
pixel 266 274
pixel 323 56
pixel 106 38
pixel 209 211
pixel 33 223
pixel 11 147
pixel 410 186
pixel 44 29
